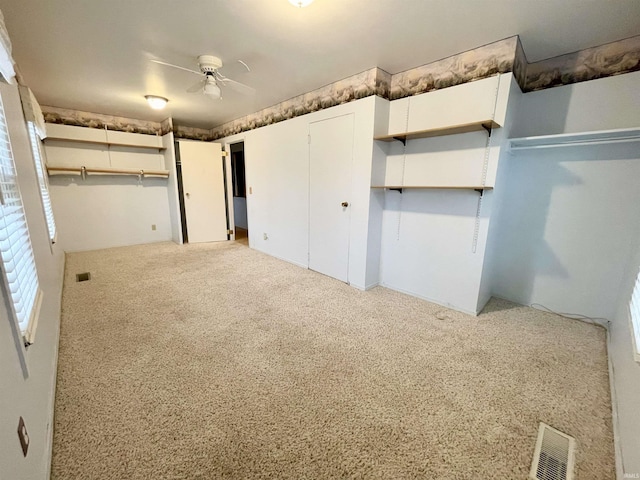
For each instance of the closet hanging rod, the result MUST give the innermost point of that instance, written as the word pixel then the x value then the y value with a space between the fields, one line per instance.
pixel 106 171
pixel 576 144
pixel 602 137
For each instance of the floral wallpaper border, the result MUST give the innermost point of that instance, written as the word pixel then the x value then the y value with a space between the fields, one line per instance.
pixel 370 82
pixel 606 60
pixel 166 126
pixel 191 133
pixel 476 64
pixel 503 56
pixel 520 65
pixel 79 118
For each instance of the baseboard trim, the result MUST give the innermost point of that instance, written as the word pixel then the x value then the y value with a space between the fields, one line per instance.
pixel 431 300
pixel 364 288
pixel 301 265
pixel 52 402
pixel 617 447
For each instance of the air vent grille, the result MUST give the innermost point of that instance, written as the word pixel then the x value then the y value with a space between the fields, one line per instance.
pixel 83 277
pixel 554 455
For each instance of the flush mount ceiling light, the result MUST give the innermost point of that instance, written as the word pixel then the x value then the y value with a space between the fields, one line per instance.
pixel 155 102
pixel 300 3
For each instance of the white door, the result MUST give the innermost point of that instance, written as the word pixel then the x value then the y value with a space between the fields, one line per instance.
pixel 330 159
pixel 203 187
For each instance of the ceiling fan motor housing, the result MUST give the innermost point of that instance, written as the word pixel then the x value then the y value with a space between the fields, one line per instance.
pixel 209 63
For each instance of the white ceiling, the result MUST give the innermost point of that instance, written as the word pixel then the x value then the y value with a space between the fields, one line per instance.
pixel 94 55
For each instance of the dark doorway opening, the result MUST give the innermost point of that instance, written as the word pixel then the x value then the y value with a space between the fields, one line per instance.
pixel 238 180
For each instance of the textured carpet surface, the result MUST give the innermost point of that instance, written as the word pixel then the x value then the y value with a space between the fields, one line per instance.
pixel 217 361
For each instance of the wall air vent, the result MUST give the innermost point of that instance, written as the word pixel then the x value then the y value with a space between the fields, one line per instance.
pixel 554 457
pixel 83 277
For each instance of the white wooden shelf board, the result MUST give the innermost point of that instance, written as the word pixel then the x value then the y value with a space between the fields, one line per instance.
pixel 487 125
pixel 72 133
pixel 437 187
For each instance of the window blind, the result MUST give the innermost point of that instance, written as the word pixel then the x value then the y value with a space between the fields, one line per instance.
pixel 36 147
pixel 32 111
pixel 635 313
pixel 18 263
pixel 6 60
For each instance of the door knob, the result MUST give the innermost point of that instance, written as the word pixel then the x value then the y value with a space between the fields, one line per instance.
pixel 345 204
pixel 188 194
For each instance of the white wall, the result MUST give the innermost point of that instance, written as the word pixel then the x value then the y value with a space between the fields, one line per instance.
pixel 495 198
pixel 570 212
pixel 570 226
pixel 379 154
pixel 277 179
pixel 603 104
pixel 428 235
pixel 110 211
pixel 29 392
pixel 240 212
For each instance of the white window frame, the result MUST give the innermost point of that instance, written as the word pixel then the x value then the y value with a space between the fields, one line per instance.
pixel 43 182
pixel 17 259
pixel 634 317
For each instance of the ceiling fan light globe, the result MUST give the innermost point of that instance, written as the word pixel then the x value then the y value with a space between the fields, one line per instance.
pixel 212 90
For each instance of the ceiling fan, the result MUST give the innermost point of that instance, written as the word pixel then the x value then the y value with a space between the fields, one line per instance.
pixel 212 81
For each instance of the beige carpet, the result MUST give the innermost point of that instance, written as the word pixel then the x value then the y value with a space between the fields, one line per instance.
pixel 217 361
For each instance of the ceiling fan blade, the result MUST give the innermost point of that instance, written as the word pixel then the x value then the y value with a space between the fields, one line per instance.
pixel 196 87
pixel 237 86
pixel 176 66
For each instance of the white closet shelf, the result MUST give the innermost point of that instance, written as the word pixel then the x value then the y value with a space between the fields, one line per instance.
pixel 106 171
pixel 435 187
pixel 486 125
pixel 108 143
pixel 600 137
pixel 99 136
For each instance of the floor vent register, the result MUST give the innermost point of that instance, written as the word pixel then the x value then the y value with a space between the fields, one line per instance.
pixel 554 457
pixel 83 277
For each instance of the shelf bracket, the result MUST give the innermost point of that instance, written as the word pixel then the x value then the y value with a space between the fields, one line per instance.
pixel 480 191
pixel 402 140
pixel 396 189
pixel 487 128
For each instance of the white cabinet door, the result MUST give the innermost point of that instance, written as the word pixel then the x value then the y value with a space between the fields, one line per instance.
pixel 330 162
pixel 203 187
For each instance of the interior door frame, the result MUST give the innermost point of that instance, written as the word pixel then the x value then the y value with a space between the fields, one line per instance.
pixel 226 147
